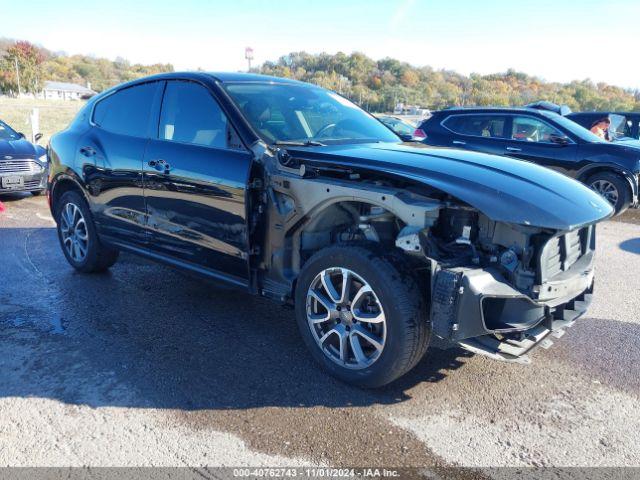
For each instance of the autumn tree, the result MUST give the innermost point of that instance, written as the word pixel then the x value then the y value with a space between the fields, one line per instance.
pixel 29 60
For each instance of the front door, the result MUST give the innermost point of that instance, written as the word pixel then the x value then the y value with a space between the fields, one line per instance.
pixel 195 176
pixel 532 139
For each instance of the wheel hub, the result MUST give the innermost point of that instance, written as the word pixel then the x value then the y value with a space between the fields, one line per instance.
pixel 346 318
pixel 74 233
pixel 607 189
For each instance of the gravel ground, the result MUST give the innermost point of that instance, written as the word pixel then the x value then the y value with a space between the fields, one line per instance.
pixel 144 366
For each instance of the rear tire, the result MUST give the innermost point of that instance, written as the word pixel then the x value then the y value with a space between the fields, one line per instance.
pixel 389 321
pixel 613 188
pixel 78 237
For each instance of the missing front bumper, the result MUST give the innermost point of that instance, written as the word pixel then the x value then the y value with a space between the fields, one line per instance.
pixel 480 311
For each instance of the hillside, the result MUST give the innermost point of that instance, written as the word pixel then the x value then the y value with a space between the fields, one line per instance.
pixel 375 84
pixel 38 64
pixel 378 85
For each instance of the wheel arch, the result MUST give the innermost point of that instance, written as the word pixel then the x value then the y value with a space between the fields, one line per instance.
pixel 591 170
pixel 318 205
pixel 61 184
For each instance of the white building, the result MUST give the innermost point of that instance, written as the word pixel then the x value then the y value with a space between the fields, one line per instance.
pixel 65 91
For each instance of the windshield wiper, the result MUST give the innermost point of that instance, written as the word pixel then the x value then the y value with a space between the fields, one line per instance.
pixel 294 143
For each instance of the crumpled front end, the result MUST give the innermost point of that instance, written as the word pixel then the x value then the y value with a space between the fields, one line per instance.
pixel 488 311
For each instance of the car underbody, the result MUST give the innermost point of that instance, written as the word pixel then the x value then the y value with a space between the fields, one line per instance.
pixel 495 288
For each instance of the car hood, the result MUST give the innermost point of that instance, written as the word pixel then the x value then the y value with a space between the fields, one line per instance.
pixel 502 188
pixel 19 149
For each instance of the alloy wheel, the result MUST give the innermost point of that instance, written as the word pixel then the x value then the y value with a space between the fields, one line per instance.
pixel 607 189
pixel 75 236
pixel 346 318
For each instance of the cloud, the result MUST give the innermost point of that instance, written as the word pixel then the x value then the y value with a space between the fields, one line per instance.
pixel 401 13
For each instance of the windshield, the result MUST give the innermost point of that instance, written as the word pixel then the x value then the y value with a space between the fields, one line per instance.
pixel 7 133
pixel 578 130
pixel 283 113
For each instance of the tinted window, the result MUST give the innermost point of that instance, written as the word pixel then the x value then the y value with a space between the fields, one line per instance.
pixel 191 115
pixel 298 113
pixel 490 126
pixel 126 111
pixel 529 129
pixel 574 128
pixel 398 126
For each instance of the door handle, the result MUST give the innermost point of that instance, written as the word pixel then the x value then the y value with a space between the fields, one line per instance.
pixel 513 149
pixel 87 151
pixel 459 142
pixel 160 165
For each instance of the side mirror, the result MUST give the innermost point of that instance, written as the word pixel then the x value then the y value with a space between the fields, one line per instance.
pixel 21 135
pixel 406 137
pixel 559 139
pixel 37 137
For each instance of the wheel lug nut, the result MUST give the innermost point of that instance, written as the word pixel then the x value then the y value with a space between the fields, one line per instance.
pixel 338 308
pixel 348 328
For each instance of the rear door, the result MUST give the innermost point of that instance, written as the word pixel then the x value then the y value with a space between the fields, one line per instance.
pixel 530 138
pixel 195 175
pixel 111 154
pixel 476 131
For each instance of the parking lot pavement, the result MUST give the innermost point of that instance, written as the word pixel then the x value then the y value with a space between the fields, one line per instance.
pixel 144 366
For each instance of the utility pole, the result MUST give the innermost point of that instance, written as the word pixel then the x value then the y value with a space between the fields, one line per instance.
pixel 18 76
pixel 248 54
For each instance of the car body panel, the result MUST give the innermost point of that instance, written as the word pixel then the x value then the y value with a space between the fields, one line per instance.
pixel 197 210
pixel 503 189
pixel 114 177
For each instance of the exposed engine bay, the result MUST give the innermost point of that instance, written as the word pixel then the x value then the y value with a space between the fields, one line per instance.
pixel 495 288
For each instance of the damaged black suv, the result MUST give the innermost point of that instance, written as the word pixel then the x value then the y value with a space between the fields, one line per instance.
pixel 294 193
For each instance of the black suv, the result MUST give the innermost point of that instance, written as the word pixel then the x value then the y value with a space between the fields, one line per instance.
pixel 294 193
pixel 545 138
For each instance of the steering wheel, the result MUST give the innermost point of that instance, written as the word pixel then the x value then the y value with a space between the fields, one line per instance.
pixel 324 129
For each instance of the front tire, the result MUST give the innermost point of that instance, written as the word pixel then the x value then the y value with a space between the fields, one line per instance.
pixel 78 237
pixel 361 314
pixel 613 188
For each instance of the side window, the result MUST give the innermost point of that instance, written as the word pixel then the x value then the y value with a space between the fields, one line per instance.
pixel 529 129
pixel 403 128
pixel 127 111
pixel 191 115
pixel 489 126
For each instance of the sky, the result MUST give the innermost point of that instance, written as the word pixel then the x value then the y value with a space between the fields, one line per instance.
pixel 559 40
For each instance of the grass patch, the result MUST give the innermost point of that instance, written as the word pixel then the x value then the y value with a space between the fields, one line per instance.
pixel 55 115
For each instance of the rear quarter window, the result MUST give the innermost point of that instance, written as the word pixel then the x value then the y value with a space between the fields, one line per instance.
pixel 127 111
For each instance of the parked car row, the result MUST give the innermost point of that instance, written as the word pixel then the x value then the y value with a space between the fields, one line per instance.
pixel 294 193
